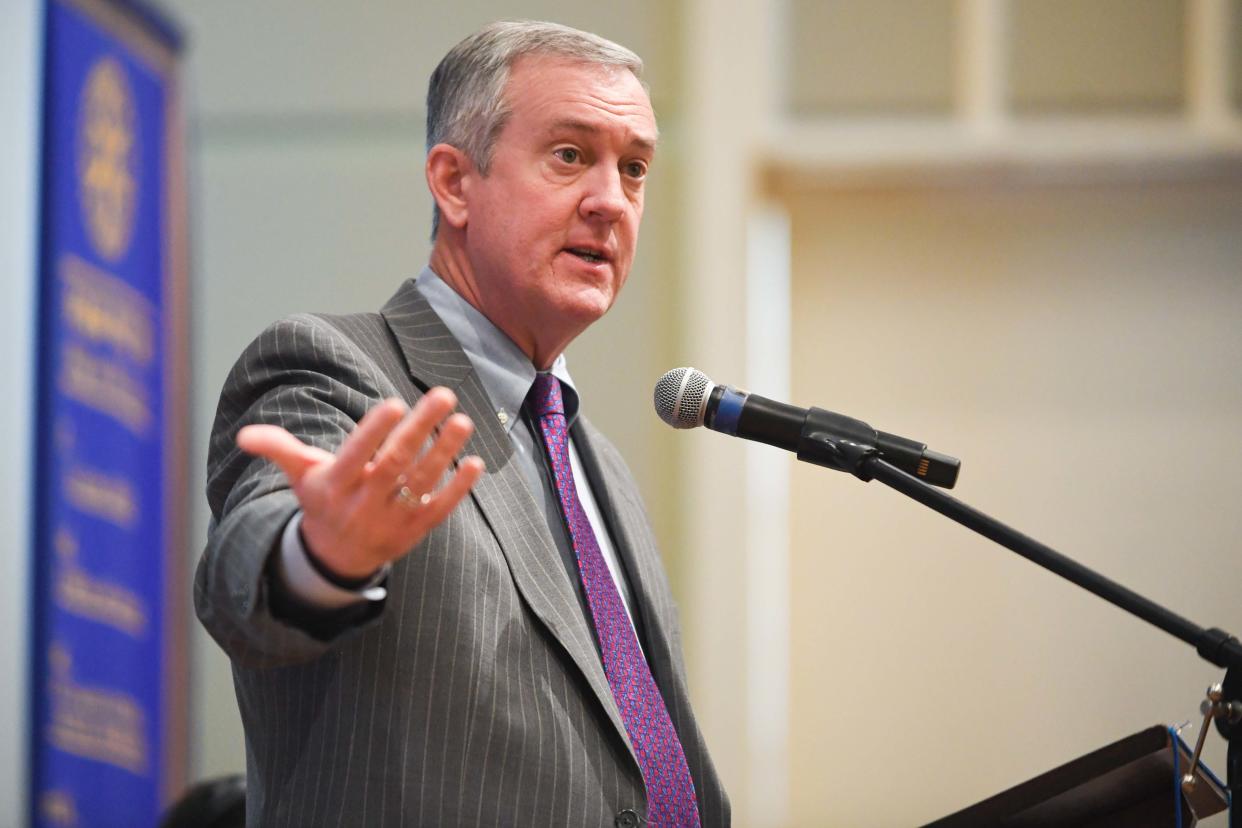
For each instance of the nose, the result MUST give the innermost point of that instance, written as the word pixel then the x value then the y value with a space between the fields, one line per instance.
pixel 604 199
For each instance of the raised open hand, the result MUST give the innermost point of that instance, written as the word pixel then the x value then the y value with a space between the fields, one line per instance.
pixel 375 499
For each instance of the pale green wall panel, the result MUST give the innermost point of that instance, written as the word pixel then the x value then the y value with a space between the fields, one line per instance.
pixel 310 56
pixel 861 56
pixel 309 195
pixel 21 37
pixel 1235 48
pixel 1093 55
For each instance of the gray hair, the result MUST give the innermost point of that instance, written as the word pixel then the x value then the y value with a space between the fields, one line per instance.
pixel 466 105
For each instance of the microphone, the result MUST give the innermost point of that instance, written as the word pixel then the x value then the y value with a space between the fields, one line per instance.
pixel 687 398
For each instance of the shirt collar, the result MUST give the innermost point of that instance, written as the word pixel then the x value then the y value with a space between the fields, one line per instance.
pixel 504 370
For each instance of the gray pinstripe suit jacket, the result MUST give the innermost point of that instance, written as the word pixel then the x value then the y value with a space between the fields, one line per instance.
pixel 474 695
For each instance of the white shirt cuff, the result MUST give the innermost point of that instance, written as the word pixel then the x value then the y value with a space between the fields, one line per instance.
pixel 299 577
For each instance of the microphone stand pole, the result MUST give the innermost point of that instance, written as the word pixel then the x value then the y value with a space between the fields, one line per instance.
pixel 1214 644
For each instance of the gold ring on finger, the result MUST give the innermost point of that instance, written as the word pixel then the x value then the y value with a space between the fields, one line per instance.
pixel 407 497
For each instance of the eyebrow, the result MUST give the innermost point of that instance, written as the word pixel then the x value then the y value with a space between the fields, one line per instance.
pixel 574 125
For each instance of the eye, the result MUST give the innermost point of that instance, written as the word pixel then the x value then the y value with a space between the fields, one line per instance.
pixel 570 155
pixel 636 169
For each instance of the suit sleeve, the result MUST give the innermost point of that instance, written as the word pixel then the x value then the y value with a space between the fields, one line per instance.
pixel 304 375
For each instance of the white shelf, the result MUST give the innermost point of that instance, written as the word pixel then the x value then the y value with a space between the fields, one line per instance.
pixel 818 146
pixel 984 136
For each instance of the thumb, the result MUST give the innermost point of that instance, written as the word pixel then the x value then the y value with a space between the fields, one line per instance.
pixel 276 444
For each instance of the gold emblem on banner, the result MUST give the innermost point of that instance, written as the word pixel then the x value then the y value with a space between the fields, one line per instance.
pixel 108 158
pixel 58 808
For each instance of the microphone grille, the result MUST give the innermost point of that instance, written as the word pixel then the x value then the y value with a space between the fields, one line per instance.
pixel 681 397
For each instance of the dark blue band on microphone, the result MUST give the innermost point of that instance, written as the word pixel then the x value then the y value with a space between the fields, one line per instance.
pixel 729 410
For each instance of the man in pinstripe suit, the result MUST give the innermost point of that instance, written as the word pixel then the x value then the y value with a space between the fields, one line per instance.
pixel 442 618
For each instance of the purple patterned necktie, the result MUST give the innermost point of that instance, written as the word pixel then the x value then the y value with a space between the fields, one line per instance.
pixel 670 790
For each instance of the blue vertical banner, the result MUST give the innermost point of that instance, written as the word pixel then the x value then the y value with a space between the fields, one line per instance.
pixel 109 674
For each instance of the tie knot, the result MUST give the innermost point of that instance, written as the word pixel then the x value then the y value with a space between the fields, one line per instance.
pixel 545 396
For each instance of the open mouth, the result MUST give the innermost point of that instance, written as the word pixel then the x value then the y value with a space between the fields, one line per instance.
pixel 586 255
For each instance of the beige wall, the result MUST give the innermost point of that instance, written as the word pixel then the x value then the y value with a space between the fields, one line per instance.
pixel 1079 348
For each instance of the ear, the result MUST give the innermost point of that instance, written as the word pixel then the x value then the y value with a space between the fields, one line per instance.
pixel 446 168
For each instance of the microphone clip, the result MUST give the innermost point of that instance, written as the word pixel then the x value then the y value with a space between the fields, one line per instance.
pixel 837 442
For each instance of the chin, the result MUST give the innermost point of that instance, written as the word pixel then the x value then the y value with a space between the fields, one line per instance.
pixel 588 306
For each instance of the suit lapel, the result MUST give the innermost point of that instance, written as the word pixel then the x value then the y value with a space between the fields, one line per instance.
pixel 433 357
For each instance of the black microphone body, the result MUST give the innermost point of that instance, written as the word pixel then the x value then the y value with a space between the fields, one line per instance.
pixel 768 421
pixel 814 434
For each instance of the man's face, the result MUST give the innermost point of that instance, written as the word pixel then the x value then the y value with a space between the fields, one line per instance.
pixel 551 229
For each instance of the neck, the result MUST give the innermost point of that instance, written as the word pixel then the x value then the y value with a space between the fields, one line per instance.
pixel 450 263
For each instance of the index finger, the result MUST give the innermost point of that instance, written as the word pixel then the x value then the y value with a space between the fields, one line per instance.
pixel 405 442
